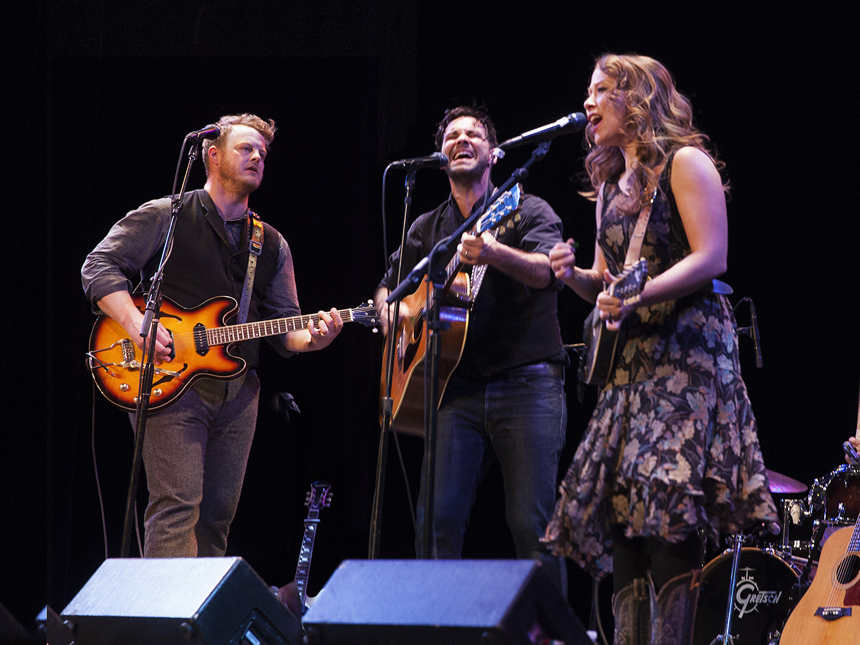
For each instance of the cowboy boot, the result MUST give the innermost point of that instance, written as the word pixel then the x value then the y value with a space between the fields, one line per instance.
pixel 631 608
pixel 673 609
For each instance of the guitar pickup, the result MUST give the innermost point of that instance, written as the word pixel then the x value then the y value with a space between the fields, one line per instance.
pixel 833 613
pixel 201 343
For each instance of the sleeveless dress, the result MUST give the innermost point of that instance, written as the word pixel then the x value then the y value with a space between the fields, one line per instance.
pixel 672 445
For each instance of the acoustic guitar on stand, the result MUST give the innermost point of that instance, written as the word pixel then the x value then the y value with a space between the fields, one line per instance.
pixel 410 343
pixel 201 348
pixel 829 611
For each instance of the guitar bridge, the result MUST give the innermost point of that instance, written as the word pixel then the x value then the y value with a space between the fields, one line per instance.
pixel 833 613
pixel 128 352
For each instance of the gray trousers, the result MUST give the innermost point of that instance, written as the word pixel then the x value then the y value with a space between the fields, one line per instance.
pixel 195 453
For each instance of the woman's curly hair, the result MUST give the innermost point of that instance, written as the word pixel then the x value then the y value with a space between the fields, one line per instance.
pixel 657 119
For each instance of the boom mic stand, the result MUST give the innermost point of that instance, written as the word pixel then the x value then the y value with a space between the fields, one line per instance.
pixel 430 266
pixel 148 331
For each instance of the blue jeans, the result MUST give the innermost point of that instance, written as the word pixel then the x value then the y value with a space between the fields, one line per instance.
pixel 519 419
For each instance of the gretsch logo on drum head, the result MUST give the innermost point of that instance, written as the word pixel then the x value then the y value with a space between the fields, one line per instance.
pixel 748 596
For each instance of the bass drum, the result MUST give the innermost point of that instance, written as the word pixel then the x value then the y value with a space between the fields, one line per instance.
pixel 761 597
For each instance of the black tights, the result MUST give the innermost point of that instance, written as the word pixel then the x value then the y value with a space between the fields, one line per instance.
pixel 635 557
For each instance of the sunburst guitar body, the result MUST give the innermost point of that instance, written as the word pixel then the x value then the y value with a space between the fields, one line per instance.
pixel 201 349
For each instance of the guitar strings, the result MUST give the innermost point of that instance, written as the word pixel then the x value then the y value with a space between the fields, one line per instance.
pixel 246 331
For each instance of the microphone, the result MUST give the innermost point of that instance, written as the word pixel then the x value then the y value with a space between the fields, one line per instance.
pixel 209 132
pixel 436 160
pixel 851 452
pixel 756 337
pixel 764 529
pixel 573 122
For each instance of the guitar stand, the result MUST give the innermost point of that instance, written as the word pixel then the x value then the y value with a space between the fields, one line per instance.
pixel 148 331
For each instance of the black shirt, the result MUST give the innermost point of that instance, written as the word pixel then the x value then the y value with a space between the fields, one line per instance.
pixel 510 324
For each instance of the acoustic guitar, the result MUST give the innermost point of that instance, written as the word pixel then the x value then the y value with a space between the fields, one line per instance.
pixel 601 344
pixel 410 343
pixel 829 612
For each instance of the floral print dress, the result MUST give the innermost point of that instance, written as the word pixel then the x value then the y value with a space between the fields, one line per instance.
pixel 672 444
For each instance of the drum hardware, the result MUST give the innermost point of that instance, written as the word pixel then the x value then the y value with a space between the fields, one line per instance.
pixel 794 512
pixel 726 637
pixel 841 518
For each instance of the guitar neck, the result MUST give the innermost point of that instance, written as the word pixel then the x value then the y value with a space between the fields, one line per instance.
pixel 854 543
pixel 263 328
pixel 305 554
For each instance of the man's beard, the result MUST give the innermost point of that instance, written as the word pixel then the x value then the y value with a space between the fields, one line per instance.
pixel 234 182
pixel 239 186
pixel 470 175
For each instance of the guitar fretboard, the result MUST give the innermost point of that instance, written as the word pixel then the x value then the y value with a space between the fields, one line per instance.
pixel 263 328
pixel 305 554
pixel 854 544
pixel 498 211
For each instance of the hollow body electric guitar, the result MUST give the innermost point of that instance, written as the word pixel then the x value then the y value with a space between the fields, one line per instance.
pixel 601 344
pixel 829 611
pixel 410 342
pixel 201 349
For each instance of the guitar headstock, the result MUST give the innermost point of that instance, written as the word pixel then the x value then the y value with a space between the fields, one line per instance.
pixel 319 496
pixel 499 210
pixel 631 281
pixel 366 314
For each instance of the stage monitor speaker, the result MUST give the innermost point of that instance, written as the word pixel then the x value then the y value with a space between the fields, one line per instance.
pixel 205 601
pixel 450 602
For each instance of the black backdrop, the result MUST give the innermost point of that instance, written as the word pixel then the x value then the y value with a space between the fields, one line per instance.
pixel 354 86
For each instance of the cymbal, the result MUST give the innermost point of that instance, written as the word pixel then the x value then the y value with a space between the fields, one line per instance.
pixel 784 484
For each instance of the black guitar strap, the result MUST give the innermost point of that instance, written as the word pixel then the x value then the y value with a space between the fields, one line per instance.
pixel 255 248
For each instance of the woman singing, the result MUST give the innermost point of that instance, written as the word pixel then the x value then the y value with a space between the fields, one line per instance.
pixel 671 450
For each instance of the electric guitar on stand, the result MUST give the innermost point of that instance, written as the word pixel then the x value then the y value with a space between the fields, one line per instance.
pixel 317 499
pixel 410 344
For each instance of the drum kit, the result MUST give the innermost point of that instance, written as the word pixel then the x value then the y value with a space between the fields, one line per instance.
pixel 761 577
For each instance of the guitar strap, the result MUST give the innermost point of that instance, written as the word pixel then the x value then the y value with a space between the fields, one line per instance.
pixel 255 248
pixel 639 234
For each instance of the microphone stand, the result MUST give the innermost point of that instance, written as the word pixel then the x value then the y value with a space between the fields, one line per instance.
pixel 436 275
pixel 148 331
pixel 752 331
pixel 387 403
